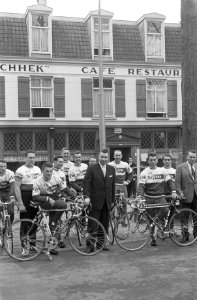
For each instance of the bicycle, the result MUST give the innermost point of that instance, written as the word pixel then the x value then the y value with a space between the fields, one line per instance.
pixel 39 237
pixel 140 225
pixel 5 223
pixel 115 215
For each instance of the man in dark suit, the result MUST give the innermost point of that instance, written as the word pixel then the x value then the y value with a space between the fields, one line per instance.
pixel 186 185
pixel 99 189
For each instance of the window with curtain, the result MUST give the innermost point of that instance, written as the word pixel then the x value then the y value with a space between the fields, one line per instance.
pixel 41 96
pixel 154 39
pixel 107 97
pixel 105 26
pixel 156 96
pixel 40 31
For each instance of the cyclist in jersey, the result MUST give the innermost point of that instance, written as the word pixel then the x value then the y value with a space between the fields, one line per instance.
pixel 7 187
pixel 152 187
pixel 47 191
pixel 123 176
pixel 77 173
pixel 167 166
pixel 57 167
pixel 67 164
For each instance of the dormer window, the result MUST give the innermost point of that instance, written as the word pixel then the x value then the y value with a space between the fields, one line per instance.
pixel 105 26
pixel 154 39
pixel 40 33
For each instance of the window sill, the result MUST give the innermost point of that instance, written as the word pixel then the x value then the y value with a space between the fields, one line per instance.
pixel 106 118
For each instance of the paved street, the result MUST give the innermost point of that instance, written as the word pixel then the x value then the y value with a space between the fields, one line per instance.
pixel 162 273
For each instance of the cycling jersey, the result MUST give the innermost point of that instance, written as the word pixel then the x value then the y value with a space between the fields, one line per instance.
pixel 60 173
pixel 48 187
pixel 122 169
pixel 172 172
pixel 5 181
pixel 27 176
pixel 152 182
pixel 66 166
pixel 76 175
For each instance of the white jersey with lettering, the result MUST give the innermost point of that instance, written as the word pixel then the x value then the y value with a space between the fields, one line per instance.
pixel 171 171
pixel 152 182
pixel 5 181
pixel 60 173
pixel 66 166
pixel 27 175
pixel 48 187
pixel 77 173
pixel 122 169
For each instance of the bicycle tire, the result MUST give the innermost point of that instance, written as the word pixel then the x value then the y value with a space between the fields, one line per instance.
pixel 183 223
pixel 132 231
pixel 26 246
pixel 1 230
pixel 86 235
pixel 110 234
pixel 8 236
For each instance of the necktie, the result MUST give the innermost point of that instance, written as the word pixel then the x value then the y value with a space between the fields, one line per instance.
pixel 193 172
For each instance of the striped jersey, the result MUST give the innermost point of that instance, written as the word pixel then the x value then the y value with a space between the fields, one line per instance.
pixel 5 181
pixel 66 166
pixel 152 182
pixel 172 172
pixel 121 171
pixel 27 176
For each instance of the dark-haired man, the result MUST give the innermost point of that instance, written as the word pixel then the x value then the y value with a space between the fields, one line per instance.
pixel 99 189
pixel 47 191
pixel 67 164
pixel 7 193
pixel 57 167
pixel 152 187
pixel 77 173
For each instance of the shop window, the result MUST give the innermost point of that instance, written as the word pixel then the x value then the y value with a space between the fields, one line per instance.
pixel 89 141
pixel 74 140
pixel 60 140
pixel 25 141
pixel 41 139
pixel 172 139
pixel 159 140
pixel 146 140
pixel 10 142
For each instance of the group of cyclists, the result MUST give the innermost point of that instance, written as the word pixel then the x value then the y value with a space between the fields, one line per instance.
pixel 63 178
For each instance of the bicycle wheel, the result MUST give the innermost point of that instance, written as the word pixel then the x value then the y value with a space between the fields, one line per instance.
pixel 86 235
pixel 132 231
pixel 28 239
pixel 1 230
pixel 110 234
pixel 8 236
pixel 183 227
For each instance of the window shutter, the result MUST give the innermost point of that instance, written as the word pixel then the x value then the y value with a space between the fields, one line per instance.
pixel 120 98
pixel 59 97
pixel 172 98
pixel 141 97
pixel 2 96
pixel 86 97
pixel 23 97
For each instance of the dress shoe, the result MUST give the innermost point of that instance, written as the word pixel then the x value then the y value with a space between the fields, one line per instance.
pixel 53 252
pixel 105 249
pixel 61 244
pixel 89 250
pixel 185 238
pixel 153 243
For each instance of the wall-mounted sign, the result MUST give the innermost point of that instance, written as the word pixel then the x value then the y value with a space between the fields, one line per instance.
pixel 117 130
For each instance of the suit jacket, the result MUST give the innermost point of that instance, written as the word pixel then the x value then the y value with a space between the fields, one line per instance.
pixel 99 188
pixel 185 183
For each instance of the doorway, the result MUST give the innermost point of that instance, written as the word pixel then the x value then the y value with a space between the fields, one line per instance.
pixel 126 152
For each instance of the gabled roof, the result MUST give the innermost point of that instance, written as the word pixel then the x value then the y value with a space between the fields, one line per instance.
pixel 13 37
pixel 71 40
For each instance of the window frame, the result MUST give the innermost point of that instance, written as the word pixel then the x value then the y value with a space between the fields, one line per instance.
pixel 161 34
pixel 50 108
pixel 109 31
pixel 112 89
pixel 49 35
